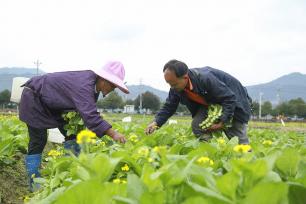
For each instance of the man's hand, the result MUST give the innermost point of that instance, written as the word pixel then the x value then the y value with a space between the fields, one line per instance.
pixel 215 127
pixel 151 128
pixel 115 135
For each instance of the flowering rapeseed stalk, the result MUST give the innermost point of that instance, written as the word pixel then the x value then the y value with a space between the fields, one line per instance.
pixel 221 141
pixel 205 160
pixel 54 153
pixel 243 148
pixel 117 181
pixel 125 168
pixel 101 144
pixel 156 149
pixel 133 138
pixel 26 199
pixel 267 142
pixel 144 151
pixel 86 136
pixel 159 149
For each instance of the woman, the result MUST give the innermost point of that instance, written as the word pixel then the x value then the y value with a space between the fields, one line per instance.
pixel 46 97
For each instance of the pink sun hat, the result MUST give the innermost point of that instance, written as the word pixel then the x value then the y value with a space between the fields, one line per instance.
pixel 114 72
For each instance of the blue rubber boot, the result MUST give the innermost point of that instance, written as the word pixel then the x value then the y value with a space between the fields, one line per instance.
pixel 32 163
pixel 72 146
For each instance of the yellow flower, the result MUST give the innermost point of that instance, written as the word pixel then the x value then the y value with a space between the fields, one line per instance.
pixel 267 142
pixel 116 181
pixel 133 138
pixel 86 136
pixel 150 159
pixel 125 168
pixel 205 160
pixel 144 151
pixel 221 141
pixel 158 149
pixel 54 153
pixel 26 199
pixel 243 148
pixel 101 144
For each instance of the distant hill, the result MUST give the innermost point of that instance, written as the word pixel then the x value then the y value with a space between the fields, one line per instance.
pixel 284 88
pixel 281 89
pixel 135 90
pixel 7 74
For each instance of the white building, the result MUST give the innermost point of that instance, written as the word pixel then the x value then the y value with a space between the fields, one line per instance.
pixel 129 109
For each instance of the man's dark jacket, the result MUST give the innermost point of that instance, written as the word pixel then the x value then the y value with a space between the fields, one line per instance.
pixel 216 87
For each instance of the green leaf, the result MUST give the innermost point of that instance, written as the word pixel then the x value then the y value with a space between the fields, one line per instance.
pixel 176 148
pixel 120 199
pixel 252 173
pixel 135 187
pixel 204 149
pixel 70 132
pixel 71 114
pixel 272 177
pixel 196 200
pixel 228 183
pixel 208 192
pixel 270 160
pixel 153 198
pixel 92 192
pixel 51 198
pixel 301 172
pixel 55 182
pixel 287 163
pixel 297 194
pixel 82 173
pixel 267 193
pixel 152 184
pixel 104 166
pixel 177 172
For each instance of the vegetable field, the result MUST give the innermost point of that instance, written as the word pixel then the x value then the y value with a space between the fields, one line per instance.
pixel 169 166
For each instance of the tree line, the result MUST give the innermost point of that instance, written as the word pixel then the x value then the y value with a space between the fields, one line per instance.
pixel 291 108
pixel 115 101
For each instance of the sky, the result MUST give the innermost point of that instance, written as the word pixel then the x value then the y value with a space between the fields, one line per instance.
pixel 256 41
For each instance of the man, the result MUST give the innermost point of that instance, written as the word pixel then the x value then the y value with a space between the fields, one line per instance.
pixel 197 88
pixel 46 97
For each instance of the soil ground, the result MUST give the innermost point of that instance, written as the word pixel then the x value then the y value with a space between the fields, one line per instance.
pixel 14 181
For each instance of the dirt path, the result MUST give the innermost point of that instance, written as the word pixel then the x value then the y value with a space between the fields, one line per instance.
pixel 283 129
pixel 13 181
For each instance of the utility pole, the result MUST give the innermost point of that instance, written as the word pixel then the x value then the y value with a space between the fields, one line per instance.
pixel 140 97
pixel 37 63
pixel 260 95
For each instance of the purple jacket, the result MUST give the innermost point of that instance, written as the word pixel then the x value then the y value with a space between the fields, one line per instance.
pixel 46 97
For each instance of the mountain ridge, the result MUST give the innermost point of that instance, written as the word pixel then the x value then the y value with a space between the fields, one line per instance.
pixel 283 88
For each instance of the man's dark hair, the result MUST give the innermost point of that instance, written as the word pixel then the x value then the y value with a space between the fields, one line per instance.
pixel 179 68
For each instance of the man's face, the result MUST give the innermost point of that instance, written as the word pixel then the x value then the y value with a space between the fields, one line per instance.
pixel 176 83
